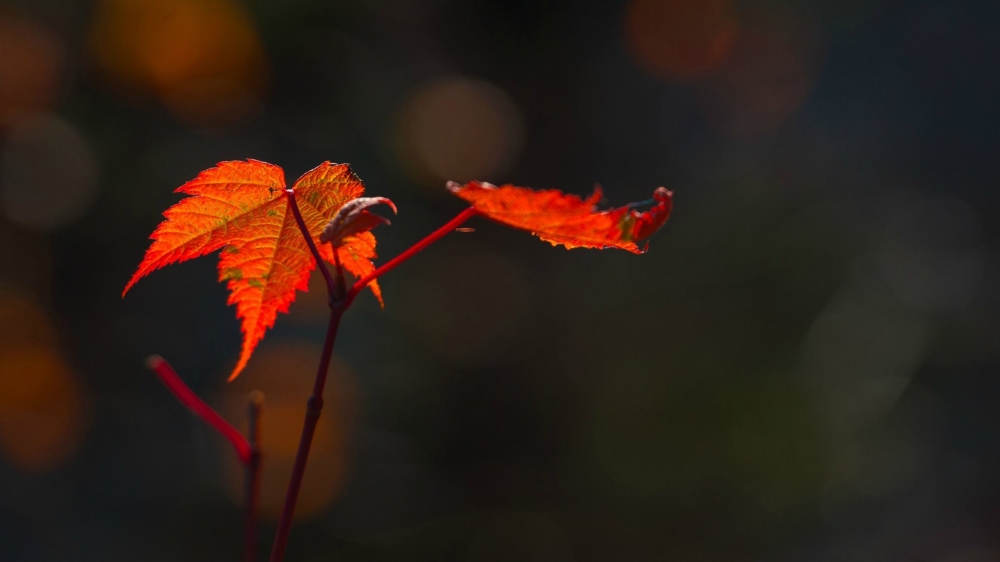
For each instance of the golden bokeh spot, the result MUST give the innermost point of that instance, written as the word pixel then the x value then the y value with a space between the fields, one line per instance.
pixel 201 57
pixel 681 39
pixel 42 412
pixel 284 373
pixel 457 129
pixel 31 60
pixel 42 406
pixel 22 322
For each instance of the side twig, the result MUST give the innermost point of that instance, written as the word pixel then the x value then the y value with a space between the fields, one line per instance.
pixel 248 451
pixel 186 396
pixel 252 489
pixel 409 253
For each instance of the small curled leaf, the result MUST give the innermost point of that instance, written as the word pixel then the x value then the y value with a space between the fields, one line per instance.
pixel 354 218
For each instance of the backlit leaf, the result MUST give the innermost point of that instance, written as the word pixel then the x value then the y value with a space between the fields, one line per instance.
pixel 241 208
pixel 566 219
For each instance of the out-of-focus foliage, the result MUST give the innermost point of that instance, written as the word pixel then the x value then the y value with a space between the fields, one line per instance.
pixel 803 367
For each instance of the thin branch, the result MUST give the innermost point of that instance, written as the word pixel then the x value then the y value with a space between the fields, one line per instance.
pixel 313 410
pixel 330 284
pixel 315 403
pixel 186 396
pixel 409 253
pixel 252 489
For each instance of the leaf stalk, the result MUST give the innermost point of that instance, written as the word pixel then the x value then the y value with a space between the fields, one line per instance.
pixel 331 285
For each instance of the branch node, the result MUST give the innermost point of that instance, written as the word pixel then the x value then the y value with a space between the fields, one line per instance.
pixel 314 406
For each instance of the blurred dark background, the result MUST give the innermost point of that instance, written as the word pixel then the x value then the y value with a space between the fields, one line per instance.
pixel 802 368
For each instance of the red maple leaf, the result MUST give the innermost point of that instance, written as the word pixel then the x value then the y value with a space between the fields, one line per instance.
pixel 566 219
pixel 242 209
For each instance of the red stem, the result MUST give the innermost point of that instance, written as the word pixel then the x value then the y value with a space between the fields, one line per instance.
pixel 315 403
pixel 409 253
pixel 252 490
pixel 313 410
pixel 187 397
pixel 330 285
pixel 341 284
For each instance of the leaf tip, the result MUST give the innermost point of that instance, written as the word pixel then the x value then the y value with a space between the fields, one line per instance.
pixel 645 224
pixel 131 282
pixel 244 358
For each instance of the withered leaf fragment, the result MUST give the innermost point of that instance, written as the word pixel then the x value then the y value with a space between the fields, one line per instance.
pixel 354 218
pixel 562 218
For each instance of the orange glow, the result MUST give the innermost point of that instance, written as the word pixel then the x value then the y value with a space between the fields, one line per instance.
pixel 284 373
pixel 764 82
pixel 41 409
pixel 42 413
pixel 22 323
pixel 202 57
pixel 681 39
pixel 29 68
pixel 458 129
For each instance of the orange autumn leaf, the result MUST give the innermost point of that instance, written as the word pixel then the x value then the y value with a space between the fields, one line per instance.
pixel 242 209
pixel 560 218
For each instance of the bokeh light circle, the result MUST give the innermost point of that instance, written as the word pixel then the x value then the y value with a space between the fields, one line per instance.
pixel 764 82
pixel 48 174
pixel 284 373
pixel 681 39
pixel 40 408
pixel 203 58
pixel 43 413
pixel 30 67
pixel 458 129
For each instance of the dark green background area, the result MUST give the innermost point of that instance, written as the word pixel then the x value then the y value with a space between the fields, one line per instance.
pixel 803 367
